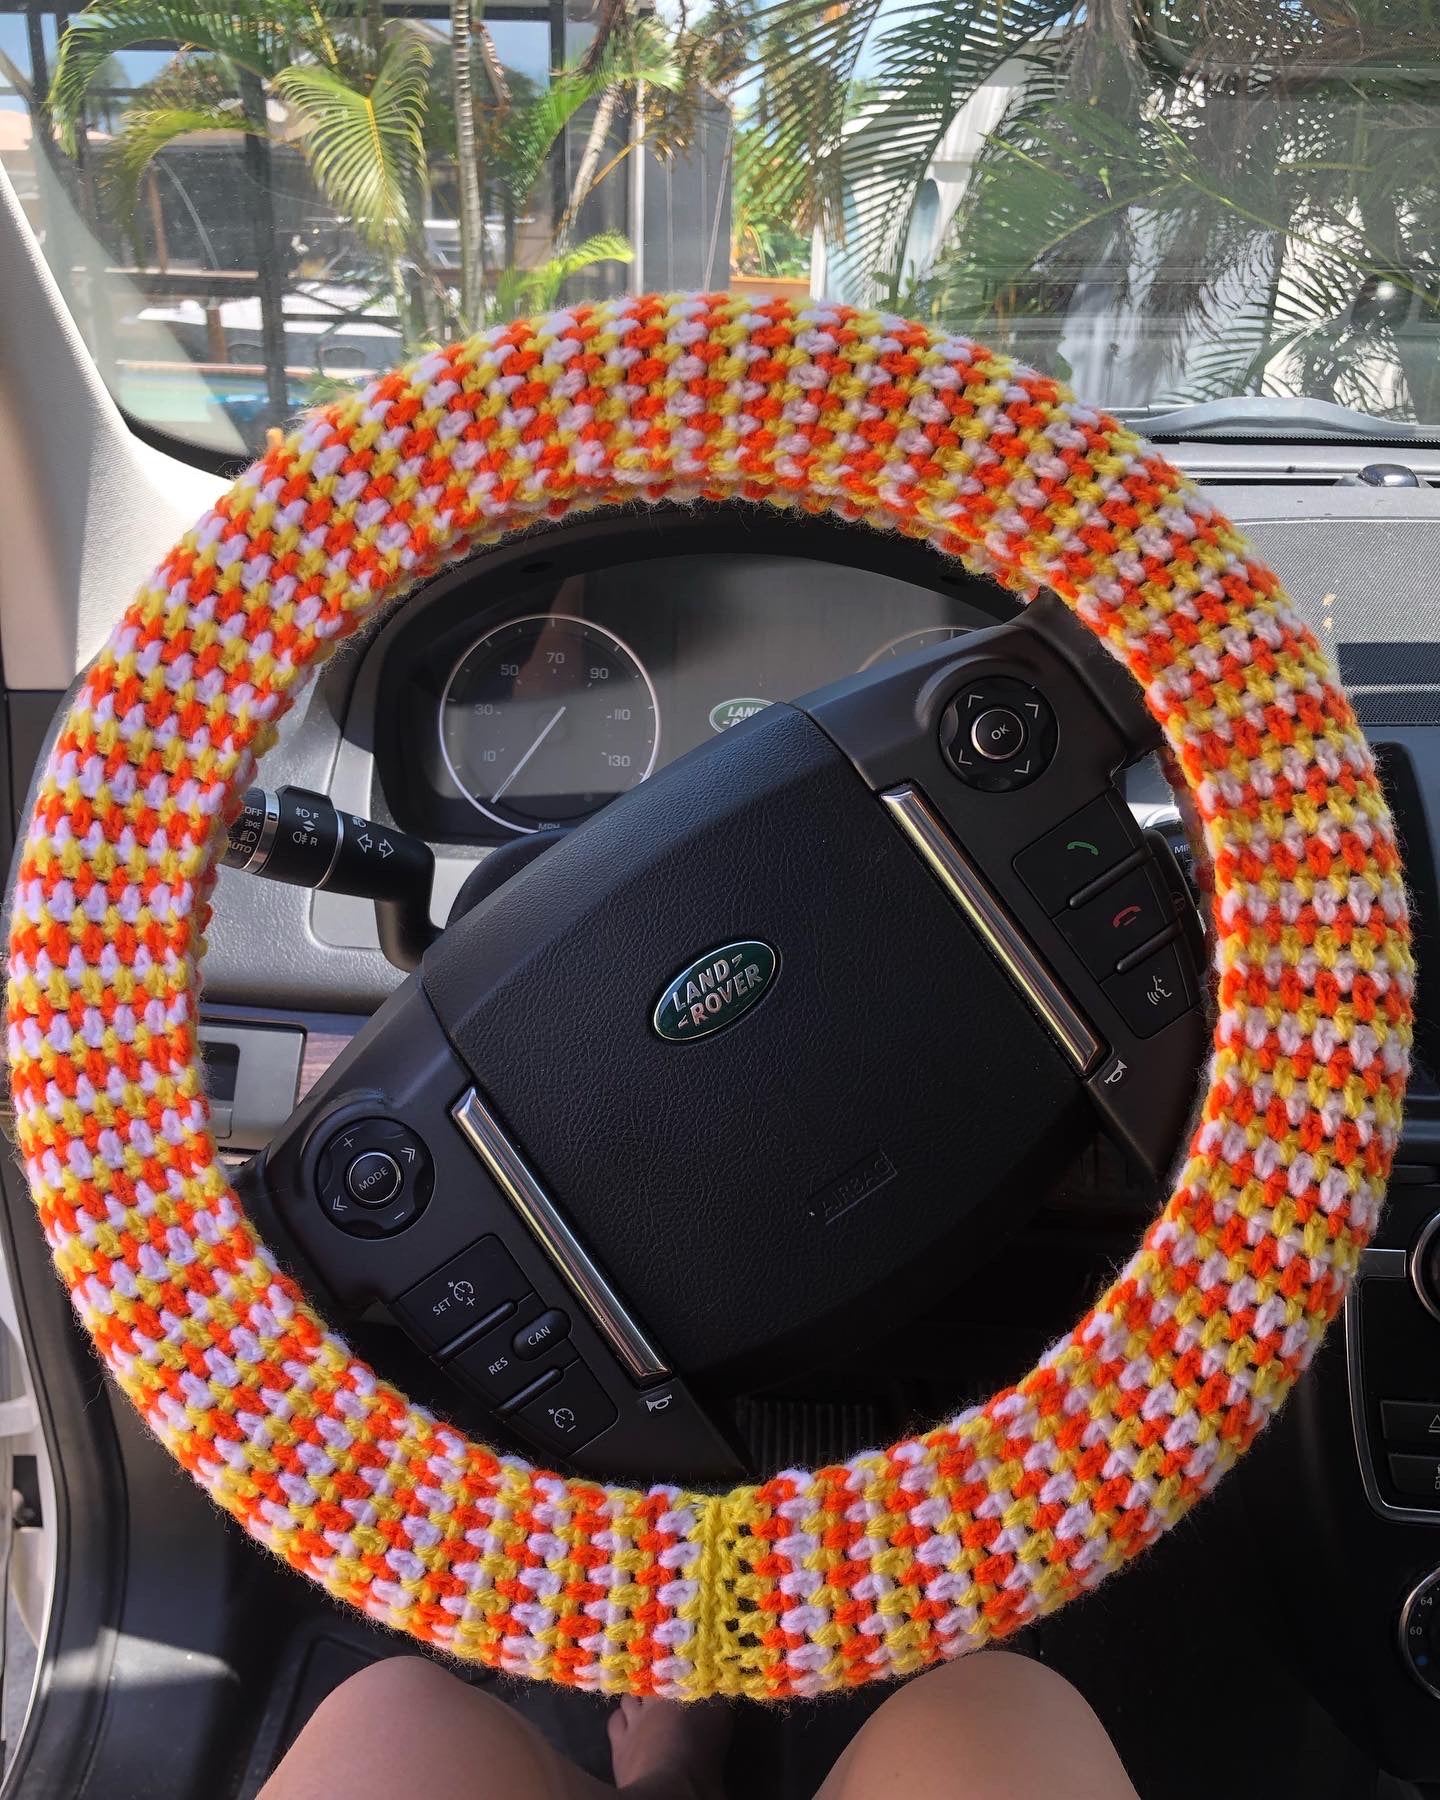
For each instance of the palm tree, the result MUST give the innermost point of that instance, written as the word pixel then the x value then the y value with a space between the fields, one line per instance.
pixel 517 136
pixel 1269 219
pixel 910 67
pixel 470 180
pixel 356 97
pixel 1256 188
pixel 362 105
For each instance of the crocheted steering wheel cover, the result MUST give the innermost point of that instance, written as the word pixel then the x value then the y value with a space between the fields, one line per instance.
pixel 813 1580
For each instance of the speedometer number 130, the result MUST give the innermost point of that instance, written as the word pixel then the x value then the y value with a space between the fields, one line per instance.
pixel 546 718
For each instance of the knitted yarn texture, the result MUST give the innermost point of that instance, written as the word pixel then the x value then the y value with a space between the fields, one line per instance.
pixel 816 1579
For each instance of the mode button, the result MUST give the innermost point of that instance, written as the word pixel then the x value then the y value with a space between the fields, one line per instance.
pixel 374 1178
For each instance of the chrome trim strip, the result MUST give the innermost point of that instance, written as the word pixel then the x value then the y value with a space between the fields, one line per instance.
pixel 1383 1265
pixel 926 830
pixel 265 842
pixel 490 1142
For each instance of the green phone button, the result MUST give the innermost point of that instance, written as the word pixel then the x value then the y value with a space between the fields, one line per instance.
pixel 1075 852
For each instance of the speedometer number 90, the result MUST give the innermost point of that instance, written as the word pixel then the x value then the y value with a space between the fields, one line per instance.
pixel 546 718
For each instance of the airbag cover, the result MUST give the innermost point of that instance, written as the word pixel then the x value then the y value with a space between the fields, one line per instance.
pixel 889 1086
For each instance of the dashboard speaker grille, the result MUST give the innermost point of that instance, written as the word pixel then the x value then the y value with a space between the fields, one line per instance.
pixel 1367 587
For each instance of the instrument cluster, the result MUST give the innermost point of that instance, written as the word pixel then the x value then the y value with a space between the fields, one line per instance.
pixel 507 718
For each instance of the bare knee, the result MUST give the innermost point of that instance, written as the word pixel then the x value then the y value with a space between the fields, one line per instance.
pixel 404 1712
pixel 994 1682
pixel 985 1725
pixel 399 1688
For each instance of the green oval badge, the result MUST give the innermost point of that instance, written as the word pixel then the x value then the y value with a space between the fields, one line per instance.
pixel 715 990
pixel 732 712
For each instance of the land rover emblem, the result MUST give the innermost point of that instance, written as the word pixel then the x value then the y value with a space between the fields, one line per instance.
pixel 735 712
pixel 715 990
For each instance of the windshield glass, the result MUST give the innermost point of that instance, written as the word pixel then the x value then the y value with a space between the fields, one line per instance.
pixel 248 207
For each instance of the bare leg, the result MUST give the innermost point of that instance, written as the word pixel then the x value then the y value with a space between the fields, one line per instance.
pixel 406 1726
pixel 990 1727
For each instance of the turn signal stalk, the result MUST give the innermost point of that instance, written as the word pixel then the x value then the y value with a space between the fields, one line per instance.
pixel 303 839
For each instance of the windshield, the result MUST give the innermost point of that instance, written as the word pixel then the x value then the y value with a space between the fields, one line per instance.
pixel 250 207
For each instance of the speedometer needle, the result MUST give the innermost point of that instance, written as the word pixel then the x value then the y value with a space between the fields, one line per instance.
pixel 526 757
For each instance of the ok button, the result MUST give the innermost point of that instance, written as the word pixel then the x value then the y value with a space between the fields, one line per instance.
pixel 998 734
pixel 374 1178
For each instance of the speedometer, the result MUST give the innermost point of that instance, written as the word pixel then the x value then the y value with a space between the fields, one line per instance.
pixel 914 640
pixel 546 718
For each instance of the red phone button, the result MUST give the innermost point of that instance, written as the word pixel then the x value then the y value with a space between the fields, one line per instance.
pixel 1116 921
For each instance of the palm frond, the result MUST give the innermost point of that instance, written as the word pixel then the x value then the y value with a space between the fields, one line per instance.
pixel 263 39
pixel 1227 230
pixel 533 129
pixel 1049 207
pixel 538 289
pixel 642 52
pixel 856 170
pixel 366 148
pixel 640 55
pixel 1220 223
pixel 807 53
pixel 145 132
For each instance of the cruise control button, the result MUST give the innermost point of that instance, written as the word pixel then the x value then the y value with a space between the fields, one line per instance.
pixel 1075 852
pixel 541 1334
pixel 1417 1476
pixel 1119 919
pixel 492 1366
pixel 1411 1422
pixel 374 1178
pixel 1153 993
pixel 481 1283
pixel 998 734
pixel 570 1413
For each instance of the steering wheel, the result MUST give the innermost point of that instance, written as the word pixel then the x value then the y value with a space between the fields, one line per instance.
pixel 773 1042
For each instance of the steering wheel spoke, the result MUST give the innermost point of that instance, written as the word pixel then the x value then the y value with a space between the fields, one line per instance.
pixel 1002 764
pixel 463 1250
